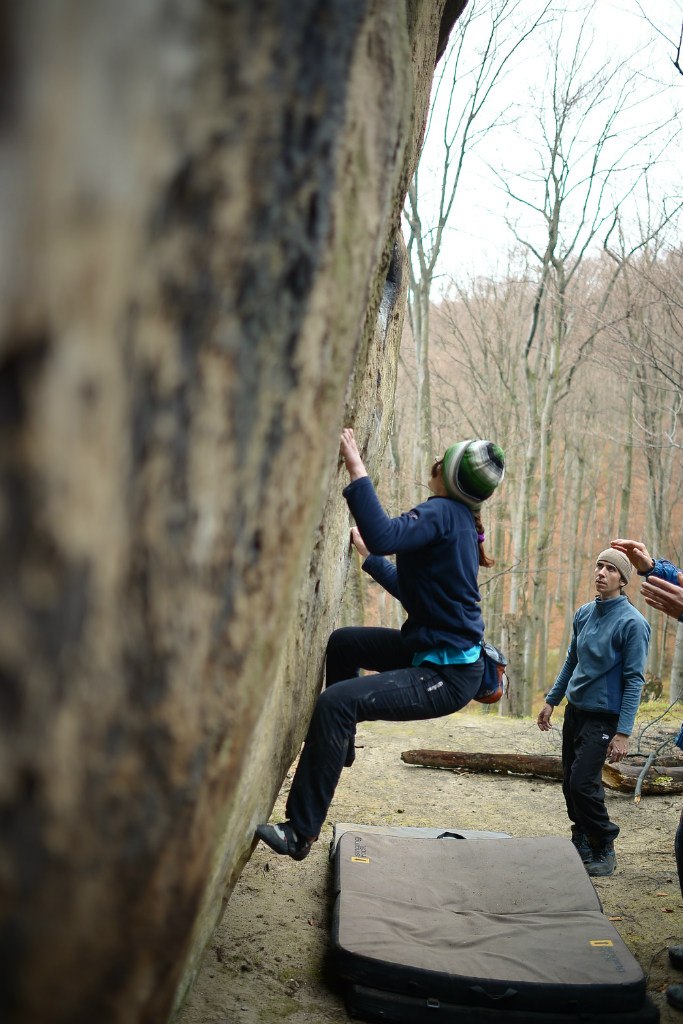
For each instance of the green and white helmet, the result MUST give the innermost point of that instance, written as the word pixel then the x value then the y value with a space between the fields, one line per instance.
pixel 472 470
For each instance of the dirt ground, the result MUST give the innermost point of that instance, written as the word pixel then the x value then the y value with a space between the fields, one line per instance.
pixel 268 959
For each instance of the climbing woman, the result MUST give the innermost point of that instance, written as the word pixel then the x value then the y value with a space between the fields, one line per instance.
pixel 432 666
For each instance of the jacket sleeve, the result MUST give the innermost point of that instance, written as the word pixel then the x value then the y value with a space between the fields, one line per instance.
pixel 382 534
pixel 559 687
pixel 383 572
pixel 664 569
pixel 633 655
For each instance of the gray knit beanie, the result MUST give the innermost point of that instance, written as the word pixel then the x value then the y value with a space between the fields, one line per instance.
pixel 472 470
pixel 618 560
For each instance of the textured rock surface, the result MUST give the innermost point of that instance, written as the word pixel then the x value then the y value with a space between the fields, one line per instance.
pixel 200 205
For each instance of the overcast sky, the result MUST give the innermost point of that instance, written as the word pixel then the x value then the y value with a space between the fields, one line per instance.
pixel 478 237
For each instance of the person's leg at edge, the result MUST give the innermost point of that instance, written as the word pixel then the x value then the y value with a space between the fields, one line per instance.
pixel 405 694
pixel 674 993
pixel 676 952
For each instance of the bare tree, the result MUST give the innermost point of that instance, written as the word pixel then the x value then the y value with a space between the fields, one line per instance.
pixel 584 176
pixel 515 357
pixel 486 39
pixel 676 61
pixel 646 341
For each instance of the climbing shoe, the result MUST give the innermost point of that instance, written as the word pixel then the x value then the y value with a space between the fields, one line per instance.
pixel 582 846
pixel 284 839
pixel 603 861
pixel 676 957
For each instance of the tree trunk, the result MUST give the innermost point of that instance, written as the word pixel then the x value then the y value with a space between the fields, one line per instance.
pixel 544 509
pixel 627 471
pixel 495 592
pixel 575 555
pixel 418 300
pixel 511 634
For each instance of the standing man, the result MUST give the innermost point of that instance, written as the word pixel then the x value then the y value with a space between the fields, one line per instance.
pixel 602 678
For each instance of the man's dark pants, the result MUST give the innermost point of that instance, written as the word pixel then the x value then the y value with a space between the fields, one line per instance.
pixel 397 692
pixel 585 738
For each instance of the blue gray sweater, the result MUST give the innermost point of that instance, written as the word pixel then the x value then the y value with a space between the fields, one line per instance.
pixel 437 563
pixel 604 667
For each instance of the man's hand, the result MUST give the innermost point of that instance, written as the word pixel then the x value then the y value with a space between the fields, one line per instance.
pixel 350 454
pixel 358 542
pixel 543 721
pixel 665 597
pixel 618 747
pixel 636 552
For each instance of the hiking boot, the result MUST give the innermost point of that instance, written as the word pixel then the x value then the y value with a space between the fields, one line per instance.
pixel 583 847
pixel 284 839
pixel 674 996
pixel 603 861
pixel 676 957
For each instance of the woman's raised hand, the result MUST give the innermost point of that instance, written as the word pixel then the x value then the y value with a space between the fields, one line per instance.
pixel 350 454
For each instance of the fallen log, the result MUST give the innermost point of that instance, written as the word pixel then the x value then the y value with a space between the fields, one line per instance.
pixel 621 777
pixel 657 768
pixel 663 762
pixel 544 765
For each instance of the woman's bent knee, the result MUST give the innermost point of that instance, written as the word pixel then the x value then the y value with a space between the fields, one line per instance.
pixel 333 708
pixel 340 637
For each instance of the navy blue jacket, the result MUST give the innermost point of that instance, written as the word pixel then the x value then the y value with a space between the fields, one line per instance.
pixel 437 563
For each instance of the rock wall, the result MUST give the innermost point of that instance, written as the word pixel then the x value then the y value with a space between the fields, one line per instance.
pixel 200 283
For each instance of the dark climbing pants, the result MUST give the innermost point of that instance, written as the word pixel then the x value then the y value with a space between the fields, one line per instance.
pixel 585 738
pixel 397 692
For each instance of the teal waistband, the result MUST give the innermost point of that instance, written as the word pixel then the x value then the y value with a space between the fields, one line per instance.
pixel 448 656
